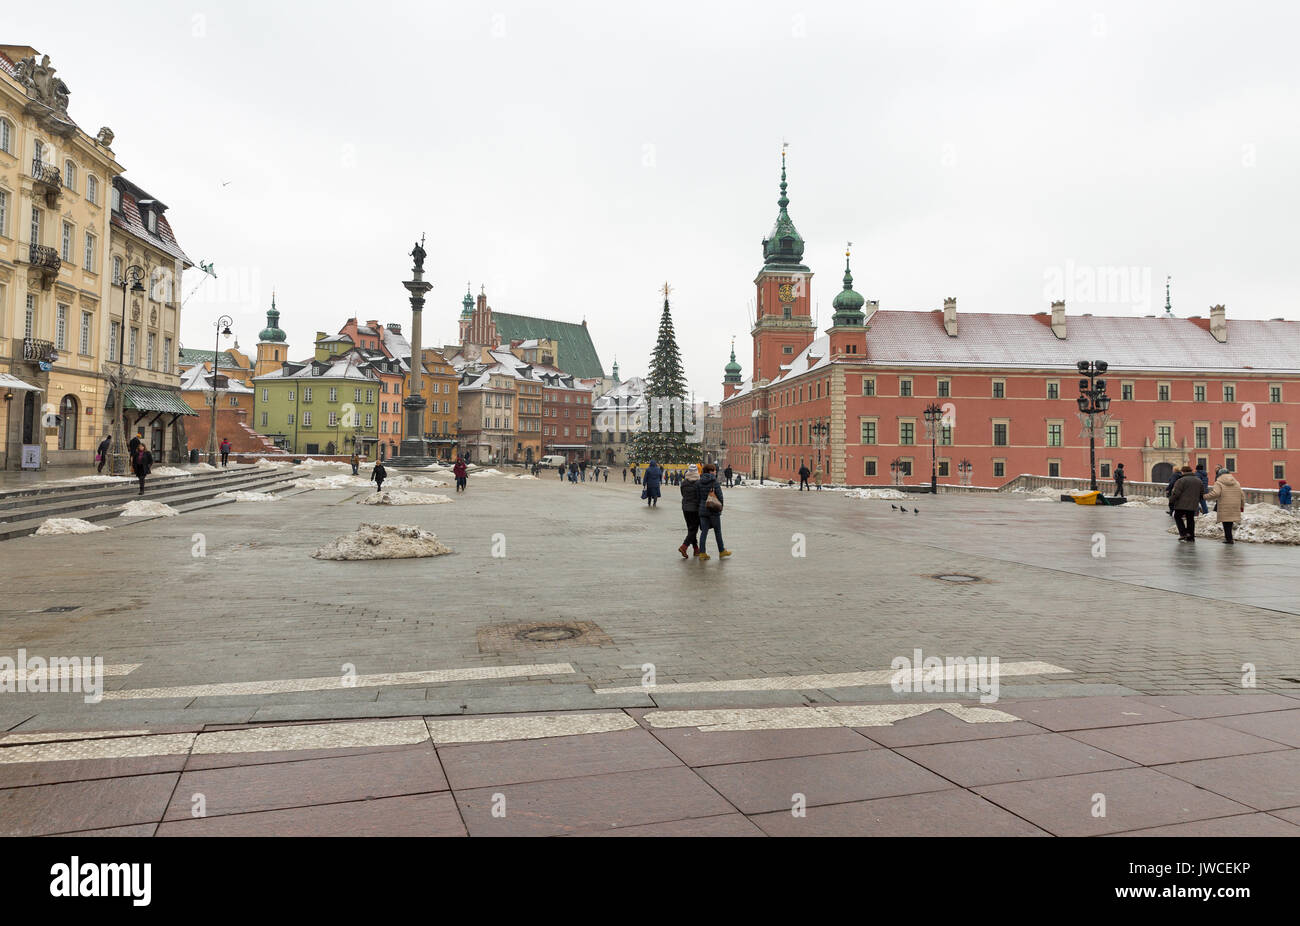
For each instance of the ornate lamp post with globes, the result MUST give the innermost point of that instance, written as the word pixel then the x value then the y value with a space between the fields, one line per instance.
pixel 117 461
pixel 223 330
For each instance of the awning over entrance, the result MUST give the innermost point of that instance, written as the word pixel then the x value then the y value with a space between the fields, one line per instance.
pixel 145 399
pixel 13 382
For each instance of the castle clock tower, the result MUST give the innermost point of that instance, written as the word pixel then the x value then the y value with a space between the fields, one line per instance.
pixel 783 323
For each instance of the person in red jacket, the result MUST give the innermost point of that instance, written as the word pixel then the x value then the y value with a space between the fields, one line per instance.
pixel 460 472
pixel 225 451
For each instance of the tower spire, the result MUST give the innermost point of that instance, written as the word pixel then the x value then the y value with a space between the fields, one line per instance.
pixel 784 200
pixel 1169 309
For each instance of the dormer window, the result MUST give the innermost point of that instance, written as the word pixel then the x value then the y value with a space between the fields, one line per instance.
pixel 151 222
pixel 117 200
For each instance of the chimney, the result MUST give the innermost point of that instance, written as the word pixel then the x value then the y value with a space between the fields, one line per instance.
pixel 394 327
pixel 1058 319
pixel 950 317
pixel 1219 323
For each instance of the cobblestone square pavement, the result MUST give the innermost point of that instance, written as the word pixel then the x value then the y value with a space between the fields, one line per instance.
pixel 565 671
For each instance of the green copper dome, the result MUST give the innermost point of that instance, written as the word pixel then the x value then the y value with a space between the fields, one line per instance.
pixel 272 332
pixel 847 303
pixel 783 247
pixel 732 368
pixel 468 303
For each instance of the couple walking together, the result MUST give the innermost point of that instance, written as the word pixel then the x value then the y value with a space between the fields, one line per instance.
pixel 702 509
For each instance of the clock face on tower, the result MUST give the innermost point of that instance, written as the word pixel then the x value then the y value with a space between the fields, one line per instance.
pixel 785 293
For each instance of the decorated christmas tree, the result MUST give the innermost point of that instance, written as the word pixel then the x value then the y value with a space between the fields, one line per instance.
pixel 669 433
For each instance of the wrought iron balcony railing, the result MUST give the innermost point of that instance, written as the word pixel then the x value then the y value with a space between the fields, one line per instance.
pixel 38 255
pixel 36 350
pixel 47 174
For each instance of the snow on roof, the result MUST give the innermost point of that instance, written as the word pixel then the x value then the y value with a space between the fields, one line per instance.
pixel 197 379
pixel 396 344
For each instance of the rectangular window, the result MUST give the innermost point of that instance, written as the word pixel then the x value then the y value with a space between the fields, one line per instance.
pixel 4 211
pixel 90 252
pixel 1230 463
pixel 1105 469
pixel 334 394
pixel 114 336
pixel 1229 437
pixel 1277 438
pixel 1279 471
pixel 1198 392
pixel 943 468
pixel 29 317
pixel 868 385
pixel 167 355
pixel 1053 389
pixel 306 419
pixel 1202 438
pixel 263 419
pixel 1274 392
pixel 61 327
pixel 1000 468
pixel 1054 434
pixel 266 396
pixel 92 189
pixel 357 396
pixel 944 388
pixel 36 226
pixel 334 419
pixel 370 397
pixel 1054 467
pixel 1126 392
pixel 150 342
pixel 1229 393
pixel 868 432
pixel 869 466
pixel 1164 436
pixel 132 345
pixel 1162 392
pixel 905 388
pixel 87 320
pixel 945 435
pixel 383 427
pixel 65 251
pixel 906 432
pixel 291 396
pixel 289 418
pixel 234 400
pixel 999 389
pixel 370 420
pixel 999 435
pixel 306 393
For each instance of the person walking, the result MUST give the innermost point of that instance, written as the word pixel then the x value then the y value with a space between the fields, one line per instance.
pixel 691 510
pixel 378 475
pixel 582 470
pixel 1119 481
pixel 562 469
pixel 1184 498
pixel 1284 495
pixel 142 464
pixel 132 447
pixel 711 511
pixel 356 463
pixel 817 477
pixel 607 474
pixel 728 474
pixel 1229 500
pixel 625 474
pixel 654 476
pixel 225 451
pixel 101 453
pixel 803 477
pixel 462 475
pixel 636 475
pixel 1202 475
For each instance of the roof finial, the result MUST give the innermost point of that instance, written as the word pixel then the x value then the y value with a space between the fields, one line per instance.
pixel 1169 310
pixel 784 200
pixel 733 347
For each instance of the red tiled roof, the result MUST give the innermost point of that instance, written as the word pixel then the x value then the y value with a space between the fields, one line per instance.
pixel 130 221
pixel 1005 340
pixel 7 64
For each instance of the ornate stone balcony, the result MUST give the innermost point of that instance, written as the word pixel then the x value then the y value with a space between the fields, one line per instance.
pixel 45 263
pixel 48 180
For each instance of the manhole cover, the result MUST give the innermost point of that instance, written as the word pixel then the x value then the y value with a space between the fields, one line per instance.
pixel 956 577
pixel 552 634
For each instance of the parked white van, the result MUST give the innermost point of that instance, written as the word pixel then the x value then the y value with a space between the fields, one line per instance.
pixel 554 461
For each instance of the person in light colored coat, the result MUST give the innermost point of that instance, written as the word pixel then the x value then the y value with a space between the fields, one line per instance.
pixel 1227 492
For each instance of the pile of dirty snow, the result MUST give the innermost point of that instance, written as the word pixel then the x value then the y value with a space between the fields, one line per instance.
pixel 246 497
pixel 141 508
pixel 383 541
pixel 69 526
pixel 486 472
pixel 522 476
pixel 875 493
pixel 169 471
pixel 203 466
pixel 1147 501
pixel 1258 524
pixel 437 468
pixel 398 497
pixel 338 481
pixel 90 479
pixel 411 482
pixel 264 463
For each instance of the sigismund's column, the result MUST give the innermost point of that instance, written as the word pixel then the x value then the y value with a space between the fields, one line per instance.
pixel 413 439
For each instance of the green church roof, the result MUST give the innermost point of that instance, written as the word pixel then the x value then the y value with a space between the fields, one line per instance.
pixel 272 332
pixel 847 303
pixel 577 354
pixel 783 247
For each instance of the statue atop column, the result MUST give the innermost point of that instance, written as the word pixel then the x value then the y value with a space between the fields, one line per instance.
pixel 419 254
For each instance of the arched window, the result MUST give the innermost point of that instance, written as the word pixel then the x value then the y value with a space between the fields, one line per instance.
pixel 68 423
pixel 70 175
pixel 6 136
pixel 117 270
pixel 38 151
pixel 92 188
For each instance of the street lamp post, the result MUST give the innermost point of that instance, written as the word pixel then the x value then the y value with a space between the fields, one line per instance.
pixel 762 459
pixel 933 415
pixel 117 464
pixel 1092 400
pixel 223 330
pixel 966 468
pixel 820 430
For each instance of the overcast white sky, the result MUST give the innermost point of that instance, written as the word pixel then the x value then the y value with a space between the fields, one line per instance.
pixel 571 157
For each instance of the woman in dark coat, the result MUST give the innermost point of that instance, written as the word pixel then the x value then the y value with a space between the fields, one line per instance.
pixel 142 464
pixel 710 518
pixel 378 475
pixel 460 471
pixel 691 509
pixel 654 476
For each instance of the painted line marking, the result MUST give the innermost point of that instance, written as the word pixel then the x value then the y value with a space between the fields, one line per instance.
pixel 78 670
pixel 278 686
pixel 487 729
pixel 842 679
pixel 808 718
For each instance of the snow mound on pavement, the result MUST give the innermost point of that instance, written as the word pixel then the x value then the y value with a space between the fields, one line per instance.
pixel 1258 524
pixel 875 493
pixel 437 468
pixel 383 541
pixel 246 496
pixel 69 526
pixel 415 481
pixel 337 481
pixel 264 463
pixel 142 508
pixel 170 471
pixel 486 472
pixel 91 479
pixel 398 497
pixel 522 476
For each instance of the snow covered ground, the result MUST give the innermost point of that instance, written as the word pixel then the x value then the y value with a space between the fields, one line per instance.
pixel 522 476
pixel 87 480
pixel 383 541
pixel 875 493
pixel 169 471
pixel 246 497
pixel 398 497
pixel 143 508
pixel 486 472
pixel 335 481
pixel 1258 524
pixel 69 526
